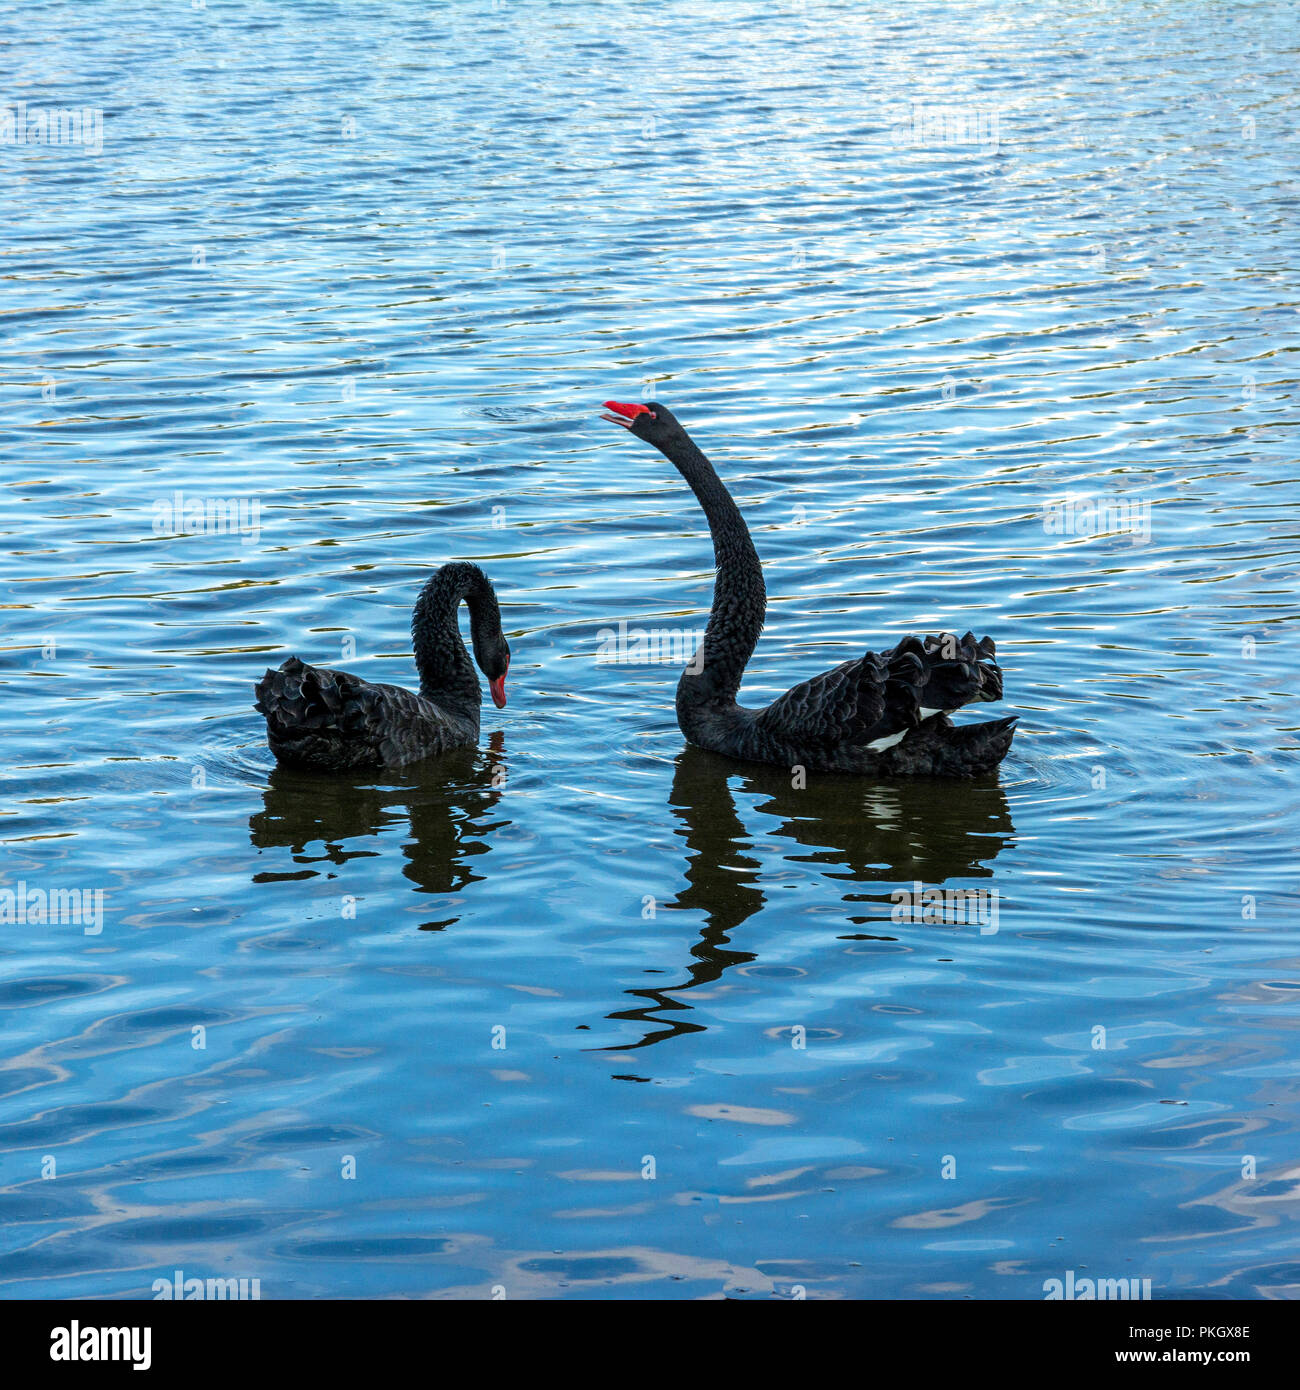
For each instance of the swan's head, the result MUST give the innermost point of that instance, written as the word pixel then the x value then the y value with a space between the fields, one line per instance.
pixel 649 420
pixel 492 652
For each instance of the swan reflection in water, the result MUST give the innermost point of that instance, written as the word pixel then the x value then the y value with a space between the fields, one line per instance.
pixel 450 803
pixel 872 835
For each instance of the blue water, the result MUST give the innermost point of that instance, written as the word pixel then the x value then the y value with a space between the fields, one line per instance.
pixel 581 1014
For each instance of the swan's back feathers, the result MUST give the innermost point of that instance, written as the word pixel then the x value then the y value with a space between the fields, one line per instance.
pixel 958 670
pixel 844 704
pixel 318 717
pixel 865 713
pixel 883 693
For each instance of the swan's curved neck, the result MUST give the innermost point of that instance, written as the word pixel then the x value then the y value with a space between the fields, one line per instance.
pixel 447 674
pixel 739 598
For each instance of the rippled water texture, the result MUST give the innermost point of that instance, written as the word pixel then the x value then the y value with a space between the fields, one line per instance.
pixel 590 1015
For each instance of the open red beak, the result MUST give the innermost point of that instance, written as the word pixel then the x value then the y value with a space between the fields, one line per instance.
pixel 621 413
pixel 498 689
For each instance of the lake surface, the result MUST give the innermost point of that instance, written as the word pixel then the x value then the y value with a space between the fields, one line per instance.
pixel 987 314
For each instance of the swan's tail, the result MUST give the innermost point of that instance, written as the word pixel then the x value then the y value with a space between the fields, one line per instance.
pixel 981 747
pixel 320 718
pixel 940 748
pixel 930 678
pixel 314 716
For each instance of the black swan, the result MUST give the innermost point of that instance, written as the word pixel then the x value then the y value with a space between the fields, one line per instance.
pixel 318 718
pixel 882 714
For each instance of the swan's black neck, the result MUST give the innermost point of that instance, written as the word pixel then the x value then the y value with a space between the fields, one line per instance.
pixel 712 680
pixel 447 674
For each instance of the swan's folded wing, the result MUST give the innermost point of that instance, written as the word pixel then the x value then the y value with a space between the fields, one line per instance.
pixel 847 704
pixel 334 716
pixel 882 695
pixel 957 670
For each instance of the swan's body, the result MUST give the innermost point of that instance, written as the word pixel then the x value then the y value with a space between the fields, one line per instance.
pixel 331 720
pixel 884 713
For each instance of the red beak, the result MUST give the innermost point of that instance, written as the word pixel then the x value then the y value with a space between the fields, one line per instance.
pixel 498 689
pixel 621 413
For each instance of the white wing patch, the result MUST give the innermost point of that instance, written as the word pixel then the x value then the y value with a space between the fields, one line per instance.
pixel 878 745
